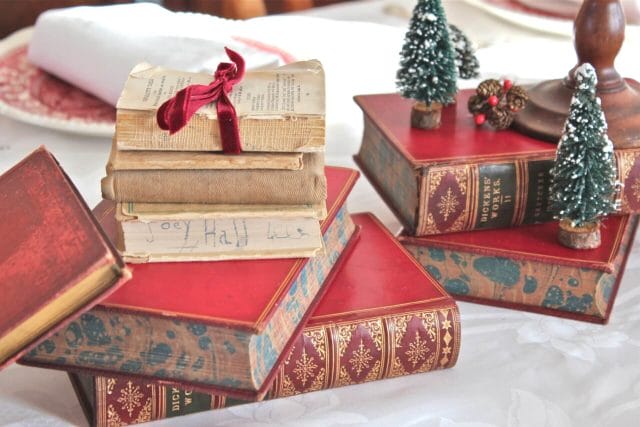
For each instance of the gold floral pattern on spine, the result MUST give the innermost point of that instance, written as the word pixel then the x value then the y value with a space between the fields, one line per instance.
pixel 113 419
pixel 402 343
pixel 111 383
pixel 318 338
pixel 145 414
pixel 448 204
pixel 417 351
pixel 130 398
pixel 360 359
pixel 305 368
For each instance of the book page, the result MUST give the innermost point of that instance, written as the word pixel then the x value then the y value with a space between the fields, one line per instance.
pixel 291 90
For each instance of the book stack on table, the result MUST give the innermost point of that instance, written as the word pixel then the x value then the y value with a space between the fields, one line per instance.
pixel 180 198
pixel 475 207
pixel 250 277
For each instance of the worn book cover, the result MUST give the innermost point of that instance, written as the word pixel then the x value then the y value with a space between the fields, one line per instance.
pixel 55 261
pixel 218 326
pixel 461 177
pixel 206 183
pixel 382 317
pixel 156 232
pixel 279 109
pixel 525 268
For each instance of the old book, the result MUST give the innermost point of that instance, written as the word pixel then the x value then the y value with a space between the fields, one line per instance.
pixel 199 160
pixel 461 177
pixel 55 261
pixel 153 232
pixel 382 317
pixel 525 268
pixel 218 326
pixel 219 186
pixel 280 109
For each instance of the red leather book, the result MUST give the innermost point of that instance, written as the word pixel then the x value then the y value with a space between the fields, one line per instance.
pixel 219 326
pixel 382 317
pixel 525 268
pixel 55 261
pixel 461 177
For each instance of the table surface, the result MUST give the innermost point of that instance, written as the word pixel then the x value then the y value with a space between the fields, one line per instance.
pixel 515 369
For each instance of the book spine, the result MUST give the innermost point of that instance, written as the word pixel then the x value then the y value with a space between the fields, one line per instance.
pixel 220 186
pixel 569 291
pixel 324 356
pixel 463 196
pixel 477 196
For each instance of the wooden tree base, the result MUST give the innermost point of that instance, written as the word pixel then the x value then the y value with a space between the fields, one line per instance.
pixel 425 116
pixel 585 237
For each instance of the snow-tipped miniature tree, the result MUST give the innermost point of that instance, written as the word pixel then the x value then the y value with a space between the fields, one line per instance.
pixel 428 72
pixel 465 55
pixel 584 173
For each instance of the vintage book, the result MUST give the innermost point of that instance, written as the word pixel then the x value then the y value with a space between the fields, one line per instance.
pixel 279 109
pixel 382 317
pixel 461 177
pixel 200 160
pixel 525 268
pixel 219 186
pixel 55 261
pixel 153 232
pixel 218 326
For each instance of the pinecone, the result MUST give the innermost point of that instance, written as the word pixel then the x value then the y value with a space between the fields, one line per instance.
pixel 500 118
pixel 496 103
pixel 489 87
pixel 517 98
pixel 475 104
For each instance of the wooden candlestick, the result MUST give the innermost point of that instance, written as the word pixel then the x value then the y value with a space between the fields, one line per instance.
pixel 598 36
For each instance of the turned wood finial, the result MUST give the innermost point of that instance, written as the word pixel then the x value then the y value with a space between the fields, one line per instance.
pixel 598 36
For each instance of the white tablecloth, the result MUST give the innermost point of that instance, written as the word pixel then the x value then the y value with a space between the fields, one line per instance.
pixel 515 369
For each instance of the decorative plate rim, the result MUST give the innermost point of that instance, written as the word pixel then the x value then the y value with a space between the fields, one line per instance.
pixel 19 39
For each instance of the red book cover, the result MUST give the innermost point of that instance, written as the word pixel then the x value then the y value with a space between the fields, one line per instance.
pixel 382 317
pixel 220 326
pixel 526 268
pixel 55 261
pixel 461 177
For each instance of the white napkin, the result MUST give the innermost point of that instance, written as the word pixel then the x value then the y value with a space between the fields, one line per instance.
pixel 94 48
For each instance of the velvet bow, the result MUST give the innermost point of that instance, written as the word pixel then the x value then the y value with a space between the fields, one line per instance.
pixel 176 112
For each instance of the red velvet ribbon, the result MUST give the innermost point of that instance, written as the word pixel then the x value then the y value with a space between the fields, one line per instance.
pixel 176 112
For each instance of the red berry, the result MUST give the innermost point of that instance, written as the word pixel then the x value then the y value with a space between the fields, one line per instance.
pixel 480 119
pixel 493 100
pixel 507 84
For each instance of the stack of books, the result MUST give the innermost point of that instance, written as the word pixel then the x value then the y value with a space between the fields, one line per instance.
pixel 179 198
pixel 290 293
pixel 475 207
pixel 382 317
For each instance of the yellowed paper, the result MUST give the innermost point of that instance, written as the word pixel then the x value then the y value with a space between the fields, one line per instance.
pixel 295 89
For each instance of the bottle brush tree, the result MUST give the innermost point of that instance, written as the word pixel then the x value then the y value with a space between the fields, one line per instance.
pixel 465 55
pixel 584 173
pixel 428 71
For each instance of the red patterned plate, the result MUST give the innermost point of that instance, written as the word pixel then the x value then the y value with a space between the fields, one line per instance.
pixel 33 96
